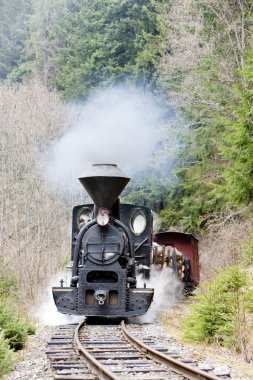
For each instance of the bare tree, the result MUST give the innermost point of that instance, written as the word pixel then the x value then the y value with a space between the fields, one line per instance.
pixel 33 222
pixel 205 44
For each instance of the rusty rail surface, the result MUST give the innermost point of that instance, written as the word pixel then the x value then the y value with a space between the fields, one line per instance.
pixel 100 369
pixel 179 367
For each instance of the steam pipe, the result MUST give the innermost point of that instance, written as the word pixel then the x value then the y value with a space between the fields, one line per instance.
pixel 95 211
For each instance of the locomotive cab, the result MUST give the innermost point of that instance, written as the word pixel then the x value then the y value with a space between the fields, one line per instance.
pixel 108 239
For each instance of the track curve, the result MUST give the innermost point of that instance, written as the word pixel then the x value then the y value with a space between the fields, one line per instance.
pixel 111 352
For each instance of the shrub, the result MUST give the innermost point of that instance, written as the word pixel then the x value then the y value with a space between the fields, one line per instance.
pixel 248 249
pixel 6 355
pixel 6 284
pixel 15 328
pixel 218 315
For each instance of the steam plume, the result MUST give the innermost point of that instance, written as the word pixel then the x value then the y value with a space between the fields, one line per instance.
pixel 168 291
pixel 45 312
pixel 121 125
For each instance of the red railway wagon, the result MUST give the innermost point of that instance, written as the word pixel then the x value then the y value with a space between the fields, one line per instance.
pixel 185 243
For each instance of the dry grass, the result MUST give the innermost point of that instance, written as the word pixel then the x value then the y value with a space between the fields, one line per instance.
pixel 222 245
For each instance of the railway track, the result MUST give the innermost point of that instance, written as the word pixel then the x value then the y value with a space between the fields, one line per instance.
pixel 112 352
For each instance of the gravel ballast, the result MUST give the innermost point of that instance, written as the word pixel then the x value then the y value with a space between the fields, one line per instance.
pixel 33 362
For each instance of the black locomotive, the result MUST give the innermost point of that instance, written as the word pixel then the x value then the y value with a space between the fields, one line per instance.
pixel 110 242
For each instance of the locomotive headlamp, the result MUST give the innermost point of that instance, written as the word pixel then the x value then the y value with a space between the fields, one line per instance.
pixel 138 222
pixel 103 217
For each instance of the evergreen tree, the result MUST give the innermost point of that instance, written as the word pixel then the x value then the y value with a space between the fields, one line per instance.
pixel 206 45
pixel 14 17
pixel 78 45
pixel 104 43
pixel 40 45
pixel 236 146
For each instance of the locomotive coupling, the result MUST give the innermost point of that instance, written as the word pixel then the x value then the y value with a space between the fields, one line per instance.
pixel 100 296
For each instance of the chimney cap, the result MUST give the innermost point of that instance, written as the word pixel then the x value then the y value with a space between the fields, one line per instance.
pixel 104 183
pixel 104 170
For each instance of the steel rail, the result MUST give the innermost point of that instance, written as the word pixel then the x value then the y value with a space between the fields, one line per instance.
pixel 101 370
pixel 176 365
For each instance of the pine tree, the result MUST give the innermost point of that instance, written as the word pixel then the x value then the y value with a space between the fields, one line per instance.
pixel 236 147
pixel 104 43
pixel 206 45
pixel 14 17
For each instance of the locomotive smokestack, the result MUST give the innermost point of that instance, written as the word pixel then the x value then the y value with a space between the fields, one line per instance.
pixel 104 183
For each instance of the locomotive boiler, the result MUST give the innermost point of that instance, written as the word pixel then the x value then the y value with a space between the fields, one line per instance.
pixel 110 243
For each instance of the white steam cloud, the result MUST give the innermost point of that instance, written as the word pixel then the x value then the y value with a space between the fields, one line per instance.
pixel 168 290
pixel 46 312
pixel 118 125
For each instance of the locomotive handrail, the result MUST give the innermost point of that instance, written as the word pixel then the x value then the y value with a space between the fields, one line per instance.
pixel 127 231
pixel 78 245
pixel 141 244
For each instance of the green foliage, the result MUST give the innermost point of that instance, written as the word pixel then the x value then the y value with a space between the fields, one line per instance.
pixel 197 53
pixel 193 197
pixel 6 285
pixel 14 329
pixel 218 315
pixel 149 192
pixel 214 90
pixel 236 146
pixel 103 43
pixel 199 192
pixel 14 31
pixel 78 45
pixel 249 299
pixel 6 355
pixel 172 214
pixel 248 249
pixel 39 45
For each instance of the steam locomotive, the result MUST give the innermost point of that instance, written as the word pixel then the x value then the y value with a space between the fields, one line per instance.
pixel 106 238
pixel 111 243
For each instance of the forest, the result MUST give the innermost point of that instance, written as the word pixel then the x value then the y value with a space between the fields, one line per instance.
pixel 194 56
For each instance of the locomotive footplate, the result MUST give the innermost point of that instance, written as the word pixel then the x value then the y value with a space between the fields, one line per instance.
pixel 138 302
pixel 65 299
